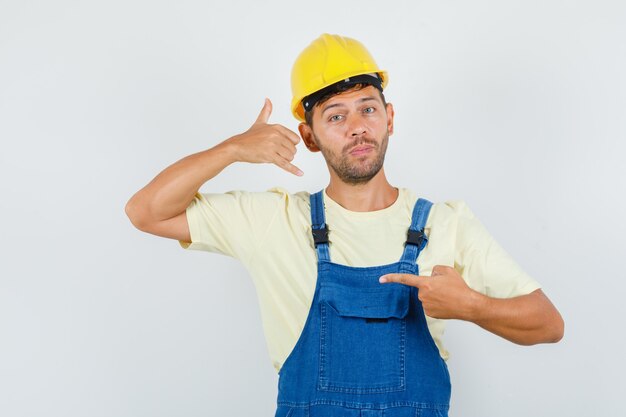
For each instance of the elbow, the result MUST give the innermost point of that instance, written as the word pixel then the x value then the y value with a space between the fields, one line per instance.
pixel 550 331
pixel 553 330
pixel 557 330
pixel 136 214
pixel 553 324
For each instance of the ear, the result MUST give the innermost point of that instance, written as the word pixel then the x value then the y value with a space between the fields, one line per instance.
pixel 307 136
pixel 390 114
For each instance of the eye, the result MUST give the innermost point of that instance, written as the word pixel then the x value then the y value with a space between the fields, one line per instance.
pixel 335 117
pixel 369 110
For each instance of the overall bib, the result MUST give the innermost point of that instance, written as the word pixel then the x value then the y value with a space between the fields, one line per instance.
pixel 365 350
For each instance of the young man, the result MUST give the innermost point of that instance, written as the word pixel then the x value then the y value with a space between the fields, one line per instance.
pixel 353 308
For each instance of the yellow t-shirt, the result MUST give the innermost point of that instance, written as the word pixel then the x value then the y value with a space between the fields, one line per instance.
pixel 270 232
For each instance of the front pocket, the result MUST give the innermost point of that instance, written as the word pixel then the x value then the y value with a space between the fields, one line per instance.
pixel 363 338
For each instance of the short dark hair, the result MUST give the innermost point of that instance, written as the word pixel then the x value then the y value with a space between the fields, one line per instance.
pixel 308 115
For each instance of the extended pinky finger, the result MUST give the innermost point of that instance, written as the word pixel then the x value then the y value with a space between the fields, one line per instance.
pixel 288 166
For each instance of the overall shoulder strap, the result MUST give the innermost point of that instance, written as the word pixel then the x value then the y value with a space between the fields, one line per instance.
pixel 416 238
pixel 319 229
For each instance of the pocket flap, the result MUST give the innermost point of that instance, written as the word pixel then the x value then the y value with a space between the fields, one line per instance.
pixel 390 300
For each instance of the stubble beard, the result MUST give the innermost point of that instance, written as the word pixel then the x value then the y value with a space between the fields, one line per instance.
pixel 354 170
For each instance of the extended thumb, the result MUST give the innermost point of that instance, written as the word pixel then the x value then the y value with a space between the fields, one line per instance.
pixel 265 112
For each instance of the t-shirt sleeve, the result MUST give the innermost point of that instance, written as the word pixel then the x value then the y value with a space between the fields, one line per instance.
pixel 231 223
pixel 483 263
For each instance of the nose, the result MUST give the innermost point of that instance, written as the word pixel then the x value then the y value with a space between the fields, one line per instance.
pixel 356 125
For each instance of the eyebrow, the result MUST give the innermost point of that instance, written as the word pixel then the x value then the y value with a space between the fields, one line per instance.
pixel 359 101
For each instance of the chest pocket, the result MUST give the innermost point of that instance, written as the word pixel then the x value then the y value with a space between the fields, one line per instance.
pixel 363 338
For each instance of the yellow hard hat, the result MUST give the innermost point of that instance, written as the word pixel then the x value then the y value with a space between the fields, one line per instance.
pixel 329 59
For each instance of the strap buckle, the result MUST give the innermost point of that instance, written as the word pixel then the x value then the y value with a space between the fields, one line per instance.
pixel 415 237
pixel 320 235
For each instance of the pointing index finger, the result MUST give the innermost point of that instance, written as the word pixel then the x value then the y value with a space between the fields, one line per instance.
pixel 407 279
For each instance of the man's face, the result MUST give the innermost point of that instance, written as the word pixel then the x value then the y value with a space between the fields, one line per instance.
pixel 351 130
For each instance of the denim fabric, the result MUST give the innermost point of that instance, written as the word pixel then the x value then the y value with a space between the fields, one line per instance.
pixel 365 350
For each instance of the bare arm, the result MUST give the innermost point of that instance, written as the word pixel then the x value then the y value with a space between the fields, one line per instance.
pixel 159 207
pixel 525 320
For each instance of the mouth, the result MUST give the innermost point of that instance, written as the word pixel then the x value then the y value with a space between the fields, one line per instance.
pixel 361 150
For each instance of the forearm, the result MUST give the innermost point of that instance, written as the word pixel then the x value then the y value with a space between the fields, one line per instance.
pixel 172 190
pixel 525 320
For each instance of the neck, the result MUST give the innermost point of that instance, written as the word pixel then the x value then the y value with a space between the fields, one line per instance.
pixel 376 194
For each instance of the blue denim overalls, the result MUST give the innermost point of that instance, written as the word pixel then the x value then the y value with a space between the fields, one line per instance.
pixel 365 350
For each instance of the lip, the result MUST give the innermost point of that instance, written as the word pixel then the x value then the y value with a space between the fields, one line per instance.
pixel 360 150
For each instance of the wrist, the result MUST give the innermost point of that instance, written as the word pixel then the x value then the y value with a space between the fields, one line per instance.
pixel 478 306
pixel 229 150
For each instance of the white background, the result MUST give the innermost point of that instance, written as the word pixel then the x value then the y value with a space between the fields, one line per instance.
pixel 517 107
